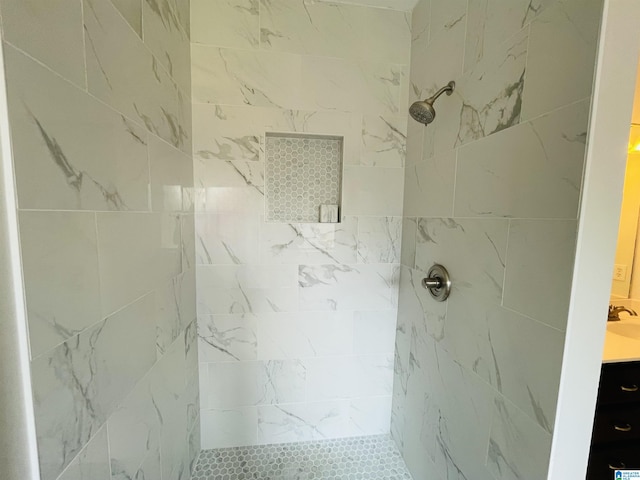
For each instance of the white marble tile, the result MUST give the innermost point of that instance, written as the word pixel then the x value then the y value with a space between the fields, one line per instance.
pixel 138 253
pixel 384 141
pixel 175 309
pixel 420 23
pixel 195 445
pixel 374 332
pixel 379 239
pixel 333 378
pixel 134 432
pixel 78 384
pixel 525 377
pixel 233 384
pixel 150 467
pixel 226 200
pixel 304 334
pixel 344 31
pixel 302 422
pixel 71 152
pixel 188 242
pixel 444 49
pixel 131 10
pixel 227 239
pixel 518 447
pixel 409 234
pixel 224 338
pixel 491 22
pixel 503 174
pixel 429 186
pixel 461 400
pixel 473 251
pixel 369 416
pixel 183 10
pixel 116 56
pixel 92 463
pixel 166 39
pixel 401 5
pixel 50 31
pixel 232 289
pixel 229 23
pixel 446 14
pixel 491 93
pixel 60 267
pixel 347 287
pixel 372 191
pixel 308 243
pixel 185 119
pixel 244 77
pixel 564 38
pixel 234 427
pixel 171 177
pixel 365 87
pixel 555 243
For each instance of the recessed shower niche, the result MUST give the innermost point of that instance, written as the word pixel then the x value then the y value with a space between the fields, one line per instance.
pixel 303 177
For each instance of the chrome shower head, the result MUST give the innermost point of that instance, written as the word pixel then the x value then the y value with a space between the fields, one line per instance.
pixel 422 111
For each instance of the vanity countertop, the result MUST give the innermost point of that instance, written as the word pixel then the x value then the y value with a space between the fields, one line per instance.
pixel 622 341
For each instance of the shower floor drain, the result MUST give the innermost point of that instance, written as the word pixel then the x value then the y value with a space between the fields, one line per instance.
pixel 363 458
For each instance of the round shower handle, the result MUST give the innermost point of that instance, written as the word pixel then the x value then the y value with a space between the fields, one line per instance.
pixel 438 283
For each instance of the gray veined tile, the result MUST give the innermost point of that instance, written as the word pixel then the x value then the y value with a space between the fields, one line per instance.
pixel 420 24
pixel 491 93
pixel 171 175
pixel 379 239
pixel 491 22
pixel 138 253
pixel 92 463
pixel 227 239
pixel 344 31
pixel 244 77
pixel 60 265
pixel 78 384
pixel 518 447
pixel 367 87
pixel 562 54
pixel 384 141
pixel 223 338
pixel 294 243
pixel 131 10
pixel 372 191
pixel 522 375
pixel 429 186
pixel 255 383
pixel 166 39
pixel 503 174
pixel 233 427
pixel 295 335
pixel 351 287
pixel 408 249
pixel 50 31
pixel 174 309
pixel 71 152
pixel 555 243
pixel 116 56
pixel 240 289
pixel 228 23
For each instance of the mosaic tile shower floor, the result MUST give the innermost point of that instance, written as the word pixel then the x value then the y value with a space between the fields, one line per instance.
pixel 363 458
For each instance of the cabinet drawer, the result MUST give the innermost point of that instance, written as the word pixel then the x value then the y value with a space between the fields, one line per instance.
pixel 619 383
pixel 603 461
pixel 616 424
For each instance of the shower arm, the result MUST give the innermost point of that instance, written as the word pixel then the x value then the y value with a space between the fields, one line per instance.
pixel 447 88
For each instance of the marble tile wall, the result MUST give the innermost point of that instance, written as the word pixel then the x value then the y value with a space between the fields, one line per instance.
pixel 296 321
pixel 492 190
pixel 100 122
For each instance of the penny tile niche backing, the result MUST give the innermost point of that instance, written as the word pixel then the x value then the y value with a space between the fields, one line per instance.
pixel 303 177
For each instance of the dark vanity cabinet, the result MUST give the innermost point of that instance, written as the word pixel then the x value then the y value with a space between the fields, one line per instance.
pixel 615 443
